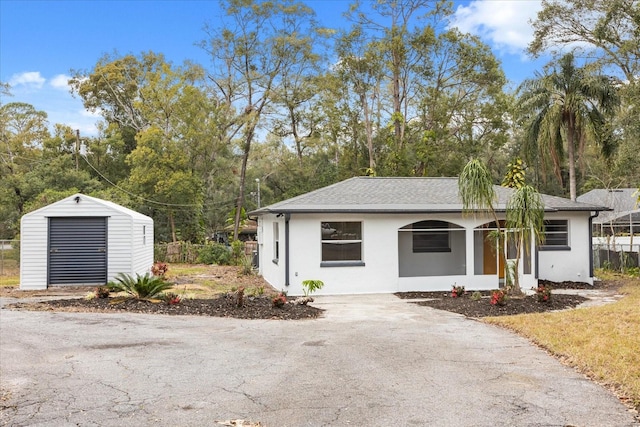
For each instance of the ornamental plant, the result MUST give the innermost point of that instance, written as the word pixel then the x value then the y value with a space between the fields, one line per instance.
pixel 145 287
pixel 310 286
pixel 498 297
pixel 280 300
pixel 457 291
pixel 159 269
pixel 543 293
pixel 171 298
pixel 102 292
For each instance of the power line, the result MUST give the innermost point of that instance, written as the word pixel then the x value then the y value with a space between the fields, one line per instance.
pixel 144 198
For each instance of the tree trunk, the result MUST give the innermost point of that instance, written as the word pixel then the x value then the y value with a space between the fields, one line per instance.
pixel 571 157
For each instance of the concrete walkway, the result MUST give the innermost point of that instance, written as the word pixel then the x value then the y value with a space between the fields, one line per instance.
pixel 372 360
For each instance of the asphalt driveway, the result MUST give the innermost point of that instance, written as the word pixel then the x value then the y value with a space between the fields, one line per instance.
pixel 370 361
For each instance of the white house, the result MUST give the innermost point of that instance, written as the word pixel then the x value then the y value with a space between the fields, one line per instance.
pixel 83 240
pixel 377 235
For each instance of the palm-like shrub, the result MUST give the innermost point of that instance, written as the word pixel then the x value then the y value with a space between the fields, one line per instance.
pixel 140 287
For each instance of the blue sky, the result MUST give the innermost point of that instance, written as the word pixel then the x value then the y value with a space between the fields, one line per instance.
pixel 42 41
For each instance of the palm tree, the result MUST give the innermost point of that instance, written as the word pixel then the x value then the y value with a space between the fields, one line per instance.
pixel 565 108
pixel 525 219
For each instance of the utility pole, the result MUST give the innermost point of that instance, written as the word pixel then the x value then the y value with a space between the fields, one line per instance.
pixel 258 181
pixel 77 148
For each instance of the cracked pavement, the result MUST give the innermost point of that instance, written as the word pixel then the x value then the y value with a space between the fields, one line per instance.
pixel 372 360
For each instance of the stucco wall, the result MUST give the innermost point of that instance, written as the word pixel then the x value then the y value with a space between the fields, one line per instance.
pixel 381 242
pixel 571 265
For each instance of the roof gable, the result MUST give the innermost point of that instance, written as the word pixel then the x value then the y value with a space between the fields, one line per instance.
pixel 104 203
pixel 400 194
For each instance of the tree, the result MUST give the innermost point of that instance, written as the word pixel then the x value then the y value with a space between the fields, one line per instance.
pixel 160 170
pixel 608 30
pixel 524 208
pixel 250 54
pixel 566 108
pixel 525 221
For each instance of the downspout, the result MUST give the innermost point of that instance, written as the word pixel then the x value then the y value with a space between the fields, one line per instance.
pixel 287 217
pixel 591 242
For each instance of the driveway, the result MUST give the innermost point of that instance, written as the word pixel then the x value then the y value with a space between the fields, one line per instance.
pixel 370 361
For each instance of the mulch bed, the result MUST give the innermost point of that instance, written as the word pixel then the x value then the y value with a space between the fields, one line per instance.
pixel 222 306
pixel 482 308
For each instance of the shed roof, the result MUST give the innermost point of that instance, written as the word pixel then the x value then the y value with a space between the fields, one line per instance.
pixel 622 202
pixel 107 204
pixel 400 195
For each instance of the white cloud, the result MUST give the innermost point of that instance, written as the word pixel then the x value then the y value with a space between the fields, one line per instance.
pixel 60 81
pixel 504 24
pixel 30 79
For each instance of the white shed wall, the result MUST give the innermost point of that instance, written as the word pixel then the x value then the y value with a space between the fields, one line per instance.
pixel 121 238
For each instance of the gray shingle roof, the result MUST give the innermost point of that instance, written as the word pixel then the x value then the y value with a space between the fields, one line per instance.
pixel 398 195
pixel 622 201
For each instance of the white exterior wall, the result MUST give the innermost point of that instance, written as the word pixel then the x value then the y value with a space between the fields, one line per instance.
pixel 121 238
pixel 568 265
pixel 380 274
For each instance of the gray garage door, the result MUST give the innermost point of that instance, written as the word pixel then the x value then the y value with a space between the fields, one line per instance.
pixel 77 251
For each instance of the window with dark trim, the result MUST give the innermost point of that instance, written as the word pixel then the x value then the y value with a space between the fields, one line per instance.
pixel 556 234
pixel 341 242
pixel 431 236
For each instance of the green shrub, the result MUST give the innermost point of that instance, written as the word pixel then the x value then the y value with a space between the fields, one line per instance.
pixel 214 253
pixel 237 252
pixel 246 264
pixel 310 286
pixel 140 287
pixel 476 296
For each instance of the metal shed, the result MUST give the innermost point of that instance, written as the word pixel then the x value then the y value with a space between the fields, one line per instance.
pixel 82 240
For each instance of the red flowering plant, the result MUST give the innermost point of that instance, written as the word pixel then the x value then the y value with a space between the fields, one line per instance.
pixel 280 300
pixel 171 299
pixel 457 291
pixel 544 293
pixel 498 297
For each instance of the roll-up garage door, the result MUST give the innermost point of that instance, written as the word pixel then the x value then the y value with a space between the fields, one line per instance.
pixel 77 251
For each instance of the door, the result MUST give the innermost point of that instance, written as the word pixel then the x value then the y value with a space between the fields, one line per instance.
pixel 77 251
pixel 492 264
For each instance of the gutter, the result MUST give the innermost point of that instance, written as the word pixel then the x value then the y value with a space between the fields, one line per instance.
pixel 287 217
pixel 591 217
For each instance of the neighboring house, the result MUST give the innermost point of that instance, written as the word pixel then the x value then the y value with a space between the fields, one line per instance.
pixel 82 240
pixel 376 235
pixel 622 221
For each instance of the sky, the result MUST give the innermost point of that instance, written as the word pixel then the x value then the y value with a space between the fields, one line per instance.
pixel 42 41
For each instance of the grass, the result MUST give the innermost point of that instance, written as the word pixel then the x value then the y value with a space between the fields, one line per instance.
pixel 602 342
pixel 10 273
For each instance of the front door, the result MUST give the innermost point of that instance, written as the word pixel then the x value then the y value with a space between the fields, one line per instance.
pixel 492 263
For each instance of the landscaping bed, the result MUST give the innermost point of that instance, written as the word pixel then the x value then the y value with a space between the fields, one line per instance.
pixel 225 305
pixel 483 308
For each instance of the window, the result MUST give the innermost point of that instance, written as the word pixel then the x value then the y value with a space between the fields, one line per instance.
pixel 276 242
pixel 431 236
pixel 144 234
pixel 556 234
pixel 341 243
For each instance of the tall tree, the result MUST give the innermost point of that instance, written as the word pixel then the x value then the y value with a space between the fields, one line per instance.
pixel 250 53
pixel 608 30
pixel 565 108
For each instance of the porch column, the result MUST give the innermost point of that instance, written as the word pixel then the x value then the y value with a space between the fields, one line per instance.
pixel 468 232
